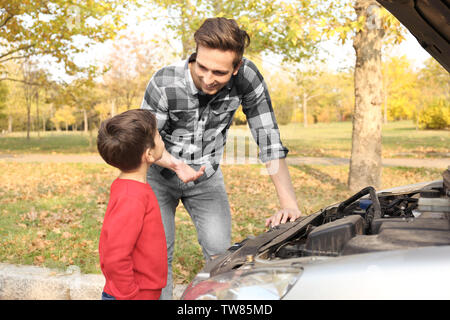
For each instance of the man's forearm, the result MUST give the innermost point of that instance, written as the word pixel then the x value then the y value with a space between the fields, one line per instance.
pixel 167 161
pixel 279 173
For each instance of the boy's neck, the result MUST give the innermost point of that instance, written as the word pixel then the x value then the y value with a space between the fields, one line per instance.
pixel 139 174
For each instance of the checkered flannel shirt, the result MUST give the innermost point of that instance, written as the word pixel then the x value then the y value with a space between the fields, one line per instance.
pixel 198 135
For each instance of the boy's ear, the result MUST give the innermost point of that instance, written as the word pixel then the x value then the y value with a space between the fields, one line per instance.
pixel 148 156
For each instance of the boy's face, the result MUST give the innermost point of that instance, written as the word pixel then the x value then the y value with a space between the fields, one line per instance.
pixel 158 150
pixel 212 69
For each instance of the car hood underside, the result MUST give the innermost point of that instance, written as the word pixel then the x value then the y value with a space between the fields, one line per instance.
pixel 428 21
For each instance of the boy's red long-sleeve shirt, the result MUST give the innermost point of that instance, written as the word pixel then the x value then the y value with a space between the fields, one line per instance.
pixel 132 246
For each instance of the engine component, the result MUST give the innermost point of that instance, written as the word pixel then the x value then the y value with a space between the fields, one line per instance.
pixel 429 229
pixel 376 213
pixel 330 238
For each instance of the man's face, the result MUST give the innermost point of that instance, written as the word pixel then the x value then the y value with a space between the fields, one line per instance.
pixel 212 69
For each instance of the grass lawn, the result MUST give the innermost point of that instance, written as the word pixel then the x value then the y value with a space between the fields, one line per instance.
pixel 48 142
pixel 51 215
pixel 400 140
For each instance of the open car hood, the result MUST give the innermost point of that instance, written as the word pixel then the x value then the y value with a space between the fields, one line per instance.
pixel 359 248
pixel 428 21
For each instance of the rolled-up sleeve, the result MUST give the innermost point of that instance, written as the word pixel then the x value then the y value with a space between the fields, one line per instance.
pixel 257 106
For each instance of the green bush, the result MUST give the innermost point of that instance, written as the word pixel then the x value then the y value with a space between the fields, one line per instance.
pixel 435 115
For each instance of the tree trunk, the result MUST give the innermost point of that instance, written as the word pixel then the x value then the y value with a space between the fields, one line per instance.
pixel 385 95
pixel 85 121
pixel 305 111
pixel 365 162
pixel 37 114
pixel 10 123
pixel 28 103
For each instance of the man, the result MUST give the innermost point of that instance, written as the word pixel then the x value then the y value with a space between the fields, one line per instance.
pixel 194 103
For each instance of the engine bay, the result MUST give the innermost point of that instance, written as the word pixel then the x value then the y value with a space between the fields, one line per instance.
pixel 401 218
pixel 370 222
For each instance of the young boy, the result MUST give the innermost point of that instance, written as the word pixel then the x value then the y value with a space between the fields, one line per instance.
pixel 132 247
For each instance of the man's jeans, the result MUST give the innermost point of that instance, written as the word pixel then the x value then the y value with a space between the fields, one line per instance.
pixel 207 204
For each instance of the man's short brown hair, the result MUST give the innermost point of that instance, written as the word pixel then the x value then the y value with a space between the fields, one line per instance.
pixel 224 34
pixel 123 139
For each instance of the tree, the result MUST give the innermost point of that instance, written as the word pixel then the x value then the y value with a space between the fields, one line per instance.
pixel 82 95
pixel 281 88
pixel 309 88
pixel 400 89
pixel 289 28
pixel 3 97
pixel 434 84
pixel 31 79
pixel 334 98
pixel 63 115
pixel 371 28
pixel 57 28
pixel 14 99
pixel 132 62
pixel 365 162
pixel 434 80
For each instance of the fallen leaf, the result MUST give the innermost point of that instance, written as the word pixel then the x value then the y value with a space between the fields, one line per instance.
pixel 41 234
pixel 66 235
pixel 39 259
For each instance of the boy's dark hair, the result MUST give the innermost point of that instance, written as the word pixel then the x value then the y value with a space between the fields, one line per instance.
pixel 123 139
pixel 224 34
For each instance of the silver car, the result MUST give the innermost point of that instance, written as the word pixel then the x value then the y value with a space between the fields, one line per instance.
pixel 391 244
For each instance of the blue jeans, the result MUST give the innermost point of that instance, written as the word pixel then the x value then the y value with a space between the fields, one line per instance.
pixel 207 204
pixel 106 296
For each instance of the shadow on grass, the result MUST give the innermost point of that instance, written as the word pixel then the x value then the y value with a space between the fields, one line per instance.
pixel 321 176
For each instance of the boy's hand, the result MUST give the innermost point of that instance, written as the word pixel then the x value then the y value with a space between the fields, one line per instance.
pixel 186 173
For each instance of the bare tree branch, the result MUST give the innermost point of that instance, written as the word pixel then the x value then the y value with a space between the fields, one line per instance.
pixel 21 81
pixel 16 50
pixel 6 20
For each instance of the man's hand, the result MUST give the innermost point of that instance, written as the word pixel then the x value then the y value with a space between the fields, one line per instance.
pixel 282 216
pixel 186 173
pixel 183 171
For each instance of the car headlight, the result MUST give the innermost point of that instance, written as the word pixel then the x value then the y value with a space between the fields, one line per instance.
pixel 255 284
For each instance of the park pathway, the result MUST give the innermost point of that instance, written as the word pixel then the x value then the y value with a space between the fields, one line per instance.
pixel 441 163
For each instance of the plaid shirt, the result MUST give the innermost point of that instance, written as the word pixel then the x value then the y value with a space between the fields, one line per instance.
pixel 197 133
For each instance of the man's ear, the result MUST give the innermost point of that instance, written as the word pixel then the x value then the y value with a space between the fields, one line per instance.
pixel 236 69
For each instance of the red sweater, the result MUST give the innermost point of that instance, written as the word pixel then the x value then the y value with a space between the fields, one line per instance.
pixel 132 246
